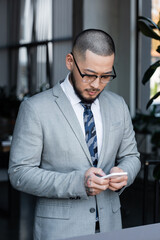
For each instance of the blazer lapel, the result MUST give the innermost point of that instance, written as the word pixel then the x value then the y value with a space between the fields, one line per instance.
pixel 70 116
pixel 104 107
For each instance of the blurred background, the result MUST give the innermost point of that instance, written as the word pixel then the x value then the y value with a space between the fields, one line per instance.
pixel 35 36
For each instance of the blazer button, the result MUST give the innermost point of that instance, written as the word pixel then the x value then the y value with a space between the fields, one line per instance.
pixel 92 210
pixel 78 197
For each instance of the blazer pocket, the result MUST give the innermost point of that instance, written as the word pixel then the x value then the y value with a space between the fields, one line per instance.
pixel 115 126
pixel 115 202
pixel 53 211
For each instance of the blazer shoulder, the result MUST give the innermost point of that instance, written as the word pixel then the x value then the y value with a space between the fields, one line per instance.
pixel 114 103
pixel 47 96
pixel 44 102
pixel 112 97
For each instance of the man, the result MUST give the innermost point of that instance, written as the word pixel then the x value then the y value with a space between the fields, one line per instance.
pixel 57 155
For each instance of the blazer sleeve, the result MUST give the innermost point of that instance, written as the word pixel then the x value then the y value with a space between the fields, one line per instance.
pixel 128 157
pixel 25 172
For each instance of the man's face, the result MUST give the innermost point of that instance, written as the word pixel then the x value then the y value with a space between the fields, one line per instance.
pixel 93 64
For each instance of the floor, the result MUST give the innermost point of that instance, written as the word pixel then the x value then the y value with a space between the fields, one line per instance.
pixel 19 224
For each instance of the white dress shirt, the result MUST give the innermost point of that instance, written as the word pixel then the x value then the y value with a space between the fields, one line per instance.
pixel 77 107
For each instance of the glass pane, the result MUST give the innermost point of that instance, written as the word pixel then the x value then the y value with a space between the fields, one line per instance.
pixel 22 86
pixel 42 11
pixel 44 19
pixel 62 18
pixel 26 21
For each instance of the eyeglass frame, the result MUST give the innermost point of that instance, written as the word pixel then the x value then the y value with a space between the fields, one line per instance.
pixel 96 76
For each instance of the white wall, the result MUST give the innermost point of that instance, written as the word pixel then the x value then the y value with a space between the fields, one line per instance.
pixel 62 28
pixel 114 16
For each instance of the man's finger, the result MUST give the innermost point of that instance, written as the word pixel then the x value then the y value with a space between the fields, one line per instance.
pixel 117 186
pixel 118 179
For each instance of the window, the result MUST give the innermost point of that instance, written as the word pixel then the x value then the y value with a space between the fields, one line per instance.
pixel 155 56
pixel 43 64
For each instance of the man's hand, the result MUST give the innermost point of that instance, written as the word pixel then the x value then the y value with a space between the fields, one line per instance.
pixel 93 183
pixel 118 182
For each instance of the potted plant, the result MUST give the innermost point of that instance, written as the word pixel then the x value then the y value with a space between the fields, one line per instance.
pixel 150 123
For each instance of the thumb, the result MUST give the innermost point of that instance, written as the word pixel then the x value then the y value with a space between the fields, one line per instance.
pixel 115 170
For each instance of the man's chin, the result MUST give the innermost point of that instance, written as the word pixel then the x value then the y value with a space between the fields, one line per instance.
pixel 88 100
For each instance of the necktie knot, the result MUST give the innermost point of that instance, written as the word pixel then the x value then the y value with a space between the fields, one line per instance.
pixel 86 105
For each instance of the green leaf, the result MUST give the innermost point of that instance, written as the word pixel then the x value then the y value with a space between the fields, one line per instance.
pixel 158 49
pixel 156 172
pixel 147 30
pixel 148 74
pixel 152 99
pixel 152 24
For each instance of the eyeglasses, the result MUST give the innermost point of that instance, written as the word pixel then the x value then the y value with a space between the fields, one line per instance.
pixel 87 78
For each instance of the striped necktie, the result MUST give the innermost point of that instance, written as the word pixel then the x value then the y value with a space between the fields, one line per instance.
pixel 90 132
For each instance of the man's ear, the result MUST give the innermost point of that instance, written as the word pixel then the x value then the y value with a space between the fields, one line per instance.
pixel 69 61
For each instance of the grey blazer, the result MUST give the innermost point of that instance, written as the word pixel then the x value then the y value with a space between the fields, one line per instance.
pixel 49 157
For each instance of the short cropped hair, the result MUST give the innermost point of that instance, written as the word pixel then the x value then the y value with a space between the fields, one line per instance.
pixel 94 40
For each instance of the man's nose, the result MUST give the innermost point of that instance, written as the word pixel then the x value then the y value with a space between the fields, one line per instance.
pixel 96 82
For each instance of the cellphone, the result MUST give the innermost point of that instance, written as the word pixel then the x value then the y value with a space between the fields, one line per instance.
pixel 114 175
